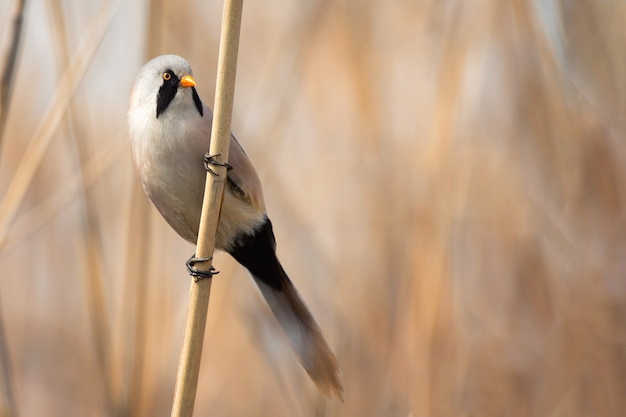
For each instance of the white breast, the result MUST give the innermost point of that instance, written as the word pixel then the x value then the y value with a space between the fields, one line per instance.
pixel 168 154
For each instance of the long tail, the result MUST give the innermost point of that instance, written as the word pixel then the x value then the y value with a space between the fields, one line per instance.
pixel 257 253
pixel 305 335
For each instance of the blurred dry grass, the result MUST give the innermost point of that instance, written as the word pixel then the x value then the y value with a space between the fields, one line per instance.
pixel 447 184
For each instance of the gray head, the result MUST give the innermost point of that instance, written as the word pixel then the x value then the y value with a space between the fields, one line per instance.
pixel 163 83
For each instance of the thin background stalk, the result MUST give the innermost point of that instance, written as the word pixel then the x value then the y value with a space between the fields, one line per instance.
pixel 7 404
pixel 10 63
pixel 135 306
pixel 92 255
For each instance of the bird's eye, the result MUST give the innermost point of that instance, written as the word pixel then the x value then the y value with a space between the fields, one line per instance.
pixel 167 76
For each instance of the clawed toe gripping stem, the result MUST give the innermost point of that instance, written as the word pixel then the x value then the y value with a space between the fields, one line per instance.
pixel 195 272
pixel 210 160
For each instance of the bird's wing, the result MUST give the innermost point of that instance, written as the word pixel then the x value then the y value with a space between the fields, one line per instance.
pixel 243 177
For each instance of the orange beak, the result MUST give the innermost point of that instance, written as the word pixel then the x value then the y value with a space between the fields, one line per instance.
pixel 187 81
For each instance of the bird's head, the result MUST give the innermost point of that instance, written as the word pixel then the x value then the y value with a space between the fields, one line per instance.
pixel 166 85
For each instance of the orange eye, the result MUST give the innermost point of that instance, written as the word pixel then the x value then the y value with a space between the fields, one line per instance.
pixel 167 76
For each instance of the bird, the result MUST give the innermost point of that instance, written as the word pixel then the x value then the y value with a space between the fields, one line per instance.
pixel 169 131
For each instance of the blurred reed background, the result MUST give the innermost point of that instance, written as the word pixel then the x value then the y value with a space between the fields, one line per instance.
pixel 447 182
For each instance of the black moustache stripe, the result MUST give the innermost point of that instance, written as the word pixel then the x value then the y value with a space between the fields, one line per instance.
pixel 196 100
pixel 167 92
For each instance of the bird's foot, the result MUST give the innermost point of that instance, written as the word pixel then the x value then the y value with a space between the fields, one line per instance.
pixel 210 160
pixel 195 272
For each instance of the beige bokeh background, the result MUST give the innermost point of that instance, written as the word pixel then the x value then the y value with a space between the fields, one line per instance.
pixel 446 181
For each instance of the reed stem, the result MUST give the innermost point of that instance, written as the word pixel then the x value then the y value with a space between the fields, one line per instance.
pixel 189 365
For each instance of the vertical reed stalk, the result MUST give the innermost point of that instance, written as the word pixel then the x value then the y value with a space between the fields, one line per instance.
pixel 135 308
pixel 7 405
pixel 134 315
pixel 189 366
pixel 10 62
pixel 94 279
